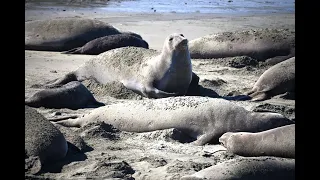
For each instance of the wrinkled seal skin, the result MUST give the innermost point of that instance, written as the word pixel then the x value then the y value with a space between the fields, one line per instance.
pixel 248 168
pixel 44 143
pixel 106 43
pixel 64 34
pixel 279 142
pixel 144 71
pixel 202 118
pixel 278 79
pixel 72 95
pixel 260 44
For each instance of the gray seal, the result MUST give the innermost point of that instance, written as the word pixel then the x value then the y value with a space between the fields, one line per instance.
pixel 73 95
pixel 279 142
pixel 44 143
pixel 260 44
pixel 64 34
pixel 278 79
pixel 144 71
pixel 106 43
pixel 249 168
pixel 202 118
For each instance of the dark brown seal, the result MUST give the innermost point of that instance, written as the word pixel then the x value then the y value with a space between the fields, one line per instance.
pixel 73 95
pixel 106 43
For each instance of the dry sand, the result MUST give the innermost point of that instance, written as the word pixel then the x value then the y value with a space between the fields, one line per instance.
pixel 153 155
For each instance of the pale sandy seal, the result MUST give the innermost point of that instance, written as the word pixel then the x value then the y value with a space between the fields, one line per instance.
pixel 72 95
pixel 202 118
pixel 249 168
pixel 279 142
pixel 64 34
pixel 44 143
pixel 144 71
pixel 278 79
pixel 106 43
pixel 260 44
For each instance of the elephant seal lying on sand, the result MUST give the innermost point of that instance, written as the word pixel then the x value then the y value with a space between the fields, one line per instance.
pixel 106 43
pixel 279 142
pixel 203 118
pixel 72 95
pixel 278 79
pixel 260 44
pixel 249 168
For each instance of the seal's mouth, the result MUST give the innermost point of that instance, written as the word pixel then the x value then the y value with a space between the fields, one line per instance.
pixel 183 44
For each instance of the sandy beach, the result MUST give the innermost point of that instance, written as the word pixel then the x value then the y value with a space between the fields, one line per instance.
pixel 152 155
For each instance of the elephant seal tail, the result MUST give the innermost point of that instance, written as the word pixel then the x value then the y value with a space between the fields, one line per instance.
pixel 73 51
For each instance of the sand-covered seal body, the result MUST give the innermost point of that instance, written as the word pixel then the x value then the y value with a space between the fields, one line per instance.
pixel 279 142
pixel 73 95
pixel 249 168
pixel 260 44
pixel 278 79
pixel 106 43
pixel 44 143
pixel 202 118
pixel 145 71
pixel 64 34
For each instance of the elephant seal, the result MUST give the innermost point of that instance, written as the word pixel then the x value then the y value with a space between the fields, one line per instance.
pixel 144 71
pixel 106 43
pixel 44 143
pixel 279 142
pixel 260 44
pixel 276 80
pixel 72 95
pixel 249 168
pixel 64 34
pixel 202 118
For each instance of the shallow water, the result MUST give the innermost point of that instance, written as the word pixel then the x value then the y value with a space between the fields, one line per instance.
pixel 180 6
pixel 203 6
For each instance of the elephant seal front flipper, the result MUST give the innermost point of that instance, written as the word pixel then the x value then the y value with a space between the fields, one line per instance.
pixel 146 91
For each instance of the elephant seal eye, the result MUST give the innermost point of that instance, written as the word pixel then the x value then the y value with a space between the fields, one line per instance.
pixel 181 35
pixel 171 39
